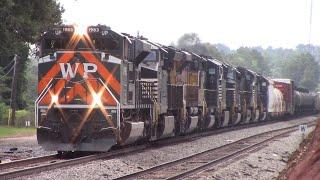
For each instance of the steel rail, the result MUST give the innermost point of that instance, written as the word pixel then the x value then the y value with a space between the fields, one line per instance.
pixel 38 168
pixel 27 161
pixel 162 171
pixel 64 163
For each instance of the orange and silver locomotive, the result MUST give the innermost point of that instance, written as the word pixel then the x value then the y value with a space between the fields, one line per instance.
pixel 86 88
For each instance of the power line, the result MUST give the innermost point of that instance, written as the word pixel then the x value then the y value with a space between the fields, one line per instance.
pixel 8 71
pixel 8 64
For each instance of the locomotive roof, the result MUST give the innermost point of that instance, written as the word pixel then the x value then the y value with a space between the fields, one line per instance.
pixel 289 81
pixel 252 72
pixel 159 46
pixel 215 61
pixel 243 69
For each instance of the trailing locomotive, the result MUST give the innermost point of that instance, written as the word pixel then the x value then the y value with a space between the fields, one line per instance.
pixel 98 88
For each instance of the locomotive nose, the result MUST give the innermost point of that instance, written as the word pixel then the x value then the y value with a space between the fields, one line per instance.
pixel 66 130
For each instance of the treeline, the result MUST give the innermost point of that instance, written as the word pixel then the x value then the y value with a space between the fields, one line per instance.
pixel 21 24
pixel 300 64
pixel 23 21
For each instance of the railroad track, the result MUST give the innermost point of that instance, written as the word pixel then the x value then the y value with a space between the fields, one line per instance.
pixel 191 165
pixel 39 164
pixel 179 139
pixel 36 165
pixel 25 162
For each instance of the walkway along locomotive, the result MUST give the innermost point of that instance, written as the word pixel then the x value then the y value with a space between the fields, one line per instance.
pixel 99 88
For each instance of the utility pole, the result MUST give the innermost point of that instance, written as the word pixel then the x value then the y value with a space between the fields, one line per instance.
pixel 310 26
pixel 13 99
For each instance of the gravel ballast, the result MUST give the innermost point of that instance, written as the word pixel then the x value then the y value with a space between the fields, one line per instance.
pixel 20 148
pixel 127 164
pixel 266 163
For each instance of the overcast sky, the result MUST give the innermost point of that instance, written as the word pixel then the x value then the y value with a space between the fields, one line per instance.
pixel 277 23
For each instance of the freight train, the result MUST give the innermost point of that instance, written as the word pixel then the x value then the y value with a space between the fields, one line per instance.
pixel 98 88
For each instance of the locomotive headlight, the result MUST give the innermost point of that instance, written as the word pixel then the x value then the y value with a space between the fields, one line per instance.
pixel 80 30
pixel 96 99
pixel 54 99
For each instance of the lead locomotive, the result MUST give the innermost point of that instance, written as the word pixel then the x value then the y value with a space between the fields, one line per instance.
pixel 98 88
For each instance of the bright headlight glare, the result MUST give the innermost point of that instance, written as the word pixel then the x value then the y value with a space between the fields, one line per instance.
pixel 80 30
pixel 96 99
pixel 54 98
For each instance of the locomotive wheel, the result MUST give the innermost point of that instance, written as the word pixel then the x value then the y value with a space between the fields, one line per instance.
pixel 63 154
pixel 226 118
pixel 60 153
pixel 235 119
pixel 255 116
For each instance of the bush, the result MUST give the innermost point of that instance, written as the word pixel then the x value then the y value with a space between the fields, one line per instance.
pixel 22 116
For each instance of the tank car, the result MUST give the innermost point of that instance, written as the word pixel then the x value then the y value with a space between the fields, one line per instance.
pixel 317 102
pixel 304 101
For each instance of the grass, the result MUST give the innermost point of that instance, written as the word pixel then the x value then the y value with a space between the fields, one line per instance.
pixel 6 131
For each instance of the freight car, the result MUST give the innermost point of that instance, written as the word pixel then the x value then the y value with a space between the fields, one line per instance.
pixel 304 101
pixel 100 88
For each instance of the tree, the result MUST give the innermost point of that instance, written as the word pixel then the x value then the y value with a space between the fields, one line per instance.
pixel 4 80
pixel 32 76
pixel 303 69
pixel 21 24
pixel 192 42
pixel 249 58
pixel 223 49
pixel 300 64
pixel 308 48
pixel 189 40
pixel 277 58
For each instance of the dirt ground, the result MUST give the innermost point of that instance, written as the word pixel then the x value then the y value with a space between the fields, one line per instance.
pixel 305 163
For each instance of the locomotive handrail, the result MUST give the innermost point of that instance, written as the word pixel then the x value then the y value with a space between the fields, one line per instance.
pixel 107 128
pixel 40 97
pixel 43 90
pixel 212 90
pixel 147 80
pixel 118 103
